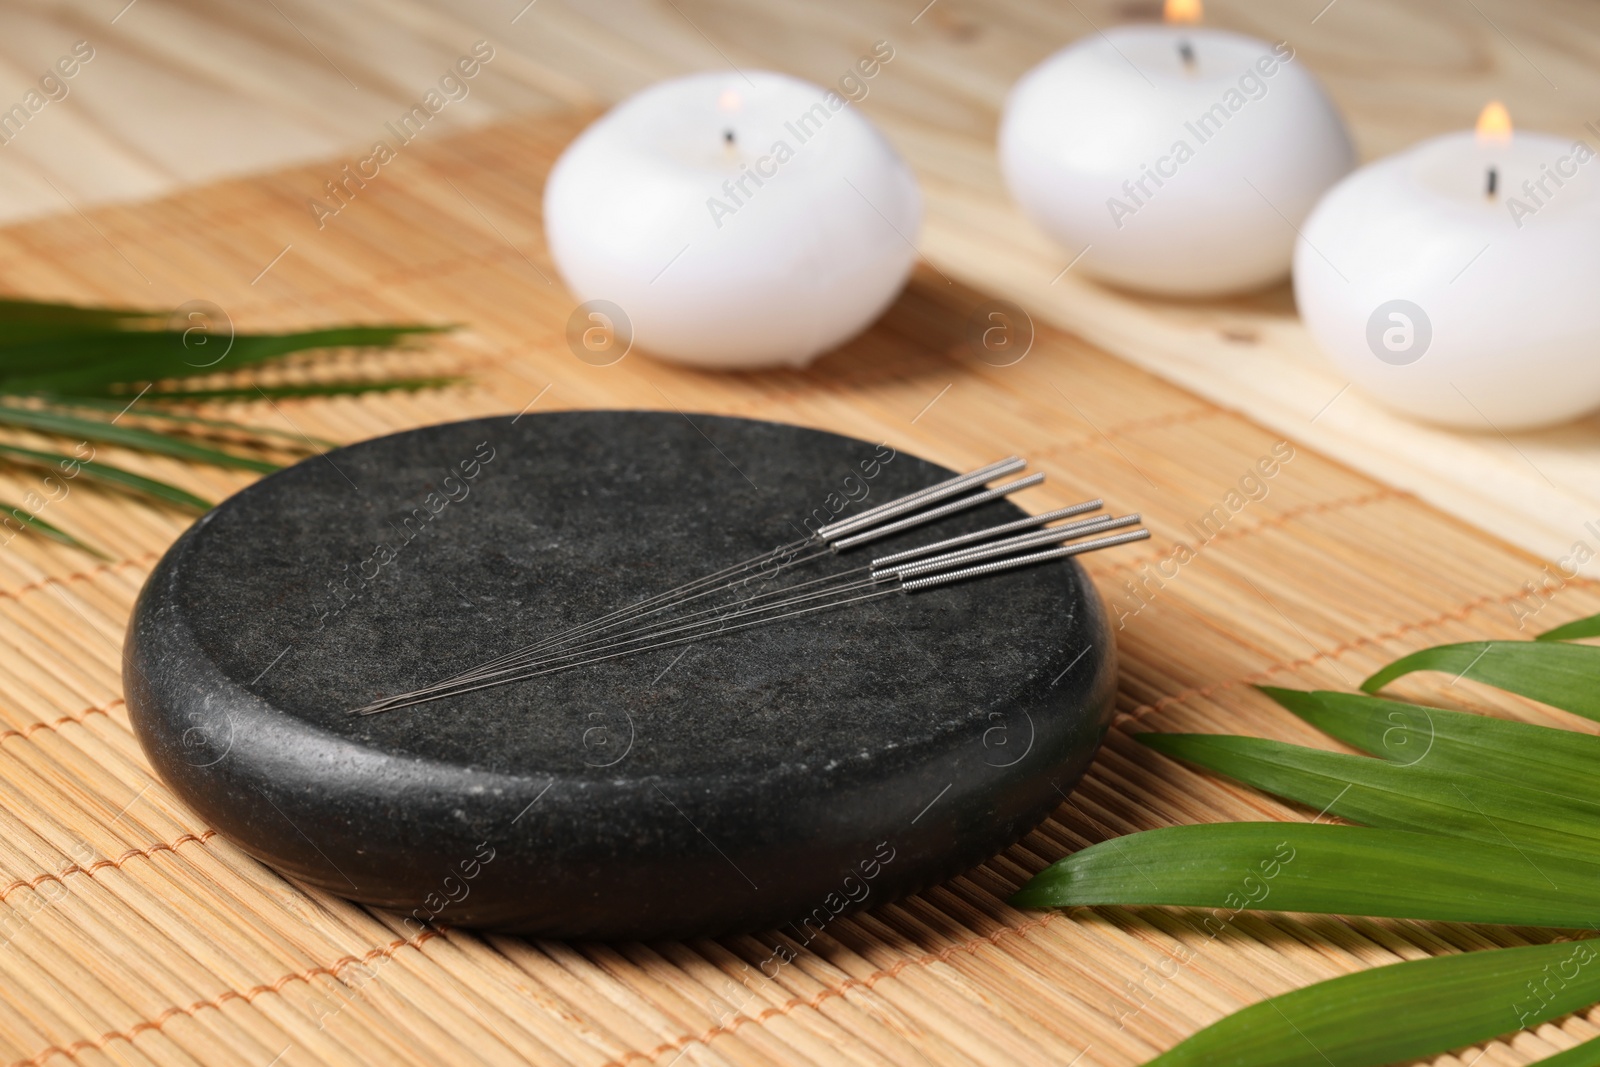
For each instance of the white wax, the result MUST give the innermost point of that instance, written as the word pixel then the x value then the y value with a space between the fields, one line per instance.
pixel 1508 285
pixel 1184 178
pixel 767 249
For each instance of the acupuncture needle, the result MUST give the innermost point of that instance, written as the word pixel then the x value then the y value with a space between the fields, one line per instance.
pixel 449 686
pixel 882 512
pixel 940 490
pixel 594 637
pixel 519 662
pixel 921 498
pixel 706 628
pixel 993 531
pixel 1076 530
pixel 615 640
pixel 915 585
pixel 918 519
pixel 909 502
pixel 1007 546
pixel 1043 537
pixel 599 659
pixel 983 570
pixel 922 518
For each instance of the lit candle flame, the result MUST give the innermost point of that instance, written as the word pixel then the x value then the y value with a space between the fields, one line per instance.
pixel 1494 124
pixel 729 100
pixel 1182 10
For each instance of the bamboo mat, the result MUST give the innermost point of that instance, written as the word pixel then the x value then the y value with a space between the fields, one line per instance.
pixel 130 933
pixel 183 93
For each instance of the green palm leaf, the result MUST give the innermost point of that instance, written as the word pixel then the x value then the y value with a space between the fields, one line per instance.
pixel 1560 675
pixel 1400 797
pixel 1587 627
pixel 14 519
pixel 1401 1011
pixel 83 429
pixel 159 413
pixel 71 372
pixel 1584 1055
pixel 305 389
pixel 28 321
pixel 1558 761
pixel 100 471
pixel 1475 819
pixel 1326 870
pixel 91 364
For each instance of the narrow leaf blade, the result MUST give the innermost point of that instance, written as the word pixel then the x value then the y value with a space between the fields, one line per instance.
pixel 101 471
pixel 1401 1011
pixel 14 520
pixel 356 387
pixel 25 321
pixel 66 424
pixel 1323 869
pixel 148 410
pixel 1584 1055
pixel 1551 672
pixel 1482 746
pixel 1572 631
pixel 1379 793
pixel 90 365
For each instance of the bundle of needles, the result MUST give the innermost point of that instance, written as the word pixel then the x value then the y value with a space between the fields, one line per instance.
pixel 674 617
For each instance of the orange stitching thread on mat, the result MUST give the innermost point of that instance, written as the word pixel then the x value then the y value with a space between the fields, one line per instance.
pixel 1283 518
pixel 1171 418
pixel 1458 615
pixel 331 970
pixel 133 853
pixel 1134 426
pixel 840 990
pixel 34 727
pixel 1157 422
pixel 102 568
pixel 443 267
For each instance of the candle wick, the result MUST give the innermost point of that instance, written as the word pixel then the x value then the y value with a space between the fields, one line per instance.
pixel 1494 181
pixel 727 136
pixel 1186 52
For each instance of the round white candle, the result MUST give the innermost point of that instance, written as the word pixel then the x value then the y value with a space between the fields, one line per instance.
pixel 738 221
pixel 1457 305
pixel 1180 158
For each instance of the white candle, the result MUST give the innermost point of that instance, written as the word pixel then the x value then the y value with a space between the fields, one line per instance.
pixel 1459 281
pixel 1180 158
pixel 737 220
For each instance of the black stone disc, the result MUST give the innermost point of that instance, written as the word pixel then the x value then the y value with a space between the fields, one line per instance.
pixel 785 773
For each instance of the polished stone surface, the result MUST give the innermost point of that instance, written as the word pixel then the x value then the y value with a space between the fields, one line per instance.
pixel 794 770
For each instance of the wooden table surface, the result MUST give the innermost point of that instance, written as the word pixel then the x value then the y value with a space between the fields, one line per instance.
pixel 181 92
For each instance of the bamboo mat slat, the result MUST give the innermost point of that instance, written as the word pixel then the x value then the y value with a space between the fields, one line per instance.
pixel 131 933
pixel 184 93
